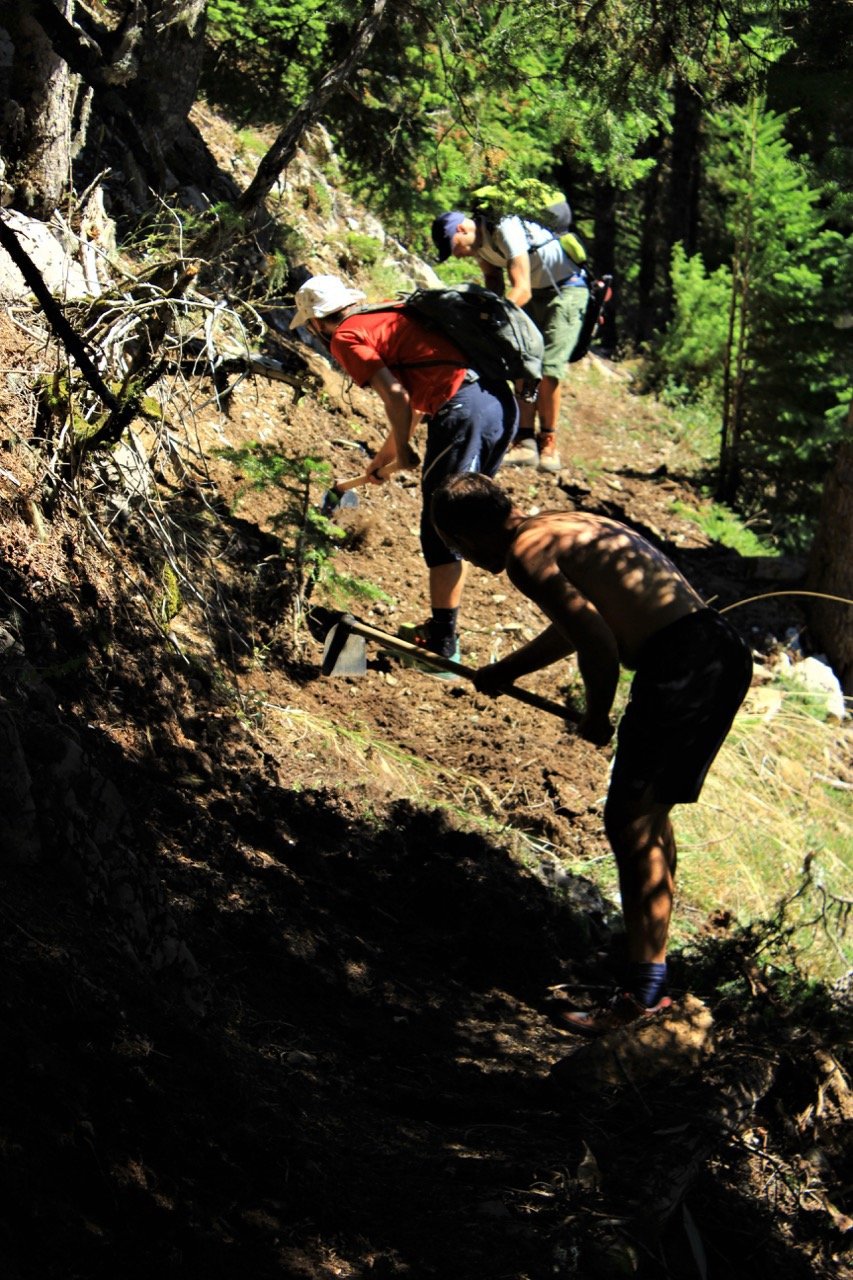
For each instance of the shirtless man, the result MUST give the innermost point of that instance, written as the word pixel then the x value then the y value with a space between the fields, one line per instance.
pixel 615 599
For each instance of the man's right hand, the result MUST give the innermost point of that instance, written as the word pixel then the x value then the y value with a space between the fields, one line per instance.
pixel 490 680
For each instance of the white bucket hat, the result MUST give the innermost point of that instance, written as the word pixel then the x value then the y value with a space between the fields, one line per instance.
pixel 322 296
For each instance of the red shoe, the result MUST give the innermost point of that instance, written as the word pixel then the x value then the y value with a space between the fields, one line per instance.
pixel 622 1011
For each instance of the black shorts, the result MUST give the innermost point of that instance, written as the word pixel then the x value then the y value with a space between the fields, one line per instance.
pixel 471 432
pixel 691 678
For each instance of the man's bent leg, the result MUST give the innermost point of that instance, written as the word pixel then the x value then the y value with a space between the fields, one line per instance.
pixel 446 582
pixel 643 843
pixel 548 404
pixel 524 452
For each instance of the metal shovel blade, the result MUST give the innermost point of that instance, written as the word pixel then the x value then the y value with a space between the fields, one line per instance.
pixel 334 501
pixel 344 653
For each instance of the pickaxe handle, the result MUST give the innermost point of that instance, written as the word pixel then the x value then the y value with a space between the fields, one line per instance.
pixel 398 645
pixel 342 486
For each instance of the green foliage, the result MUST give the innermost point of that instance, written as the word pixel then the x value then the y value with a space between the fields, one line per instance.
pixel 686 361
pixel 267 55
pixel 308 538
pixel 785 372
pixel 170 602
pixel 725 527
pixel 365 250
pixel 754 336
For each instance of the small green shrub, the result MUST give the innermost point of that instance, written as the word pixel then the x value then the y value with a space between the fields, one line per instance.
pixel 721 525
pixel 309 539
pixel 364 249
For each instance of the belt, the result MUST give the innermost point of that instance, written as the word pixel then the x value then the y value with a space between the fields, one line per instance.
pixel 577 281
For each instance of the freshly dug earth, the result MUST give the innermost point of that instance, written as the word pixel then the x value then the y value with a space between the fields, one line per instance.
pixel 279 948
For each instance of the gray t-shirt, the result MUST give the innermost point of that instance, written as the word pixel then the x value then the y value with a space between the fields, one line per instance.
pixel 512 237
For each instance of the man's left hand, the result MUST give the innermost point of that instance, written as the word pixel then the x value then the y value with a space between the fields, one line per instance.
pixel 596 729
pixel 408 459
pixel 490 679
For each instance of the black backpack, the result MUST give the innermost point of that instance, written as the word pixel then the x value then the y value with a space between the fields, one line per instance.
pixel 496 337
pixel 600 292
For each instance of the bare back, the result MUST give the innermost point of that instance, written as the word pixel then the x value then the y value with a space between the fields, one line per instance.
pixel 632 585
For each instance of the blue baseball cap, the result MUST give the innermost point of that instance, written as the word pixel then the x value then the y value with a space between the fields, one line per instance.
pixel 444 228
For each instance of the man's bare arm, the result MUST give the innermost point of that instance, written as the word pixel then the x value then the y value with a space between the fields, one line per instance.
pixel 582 628
pixel 493 277
pixel 518 270
pixel 548 647
pixel 402 419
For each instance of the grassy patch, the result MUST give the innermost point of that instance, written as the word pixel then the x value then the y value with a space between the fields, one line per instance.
pixel 252 142
pixel 774 804
pixel 725 527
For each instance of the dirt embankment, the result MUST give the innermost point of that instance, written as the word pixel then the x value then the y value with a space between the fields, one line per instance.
pixel 268 1010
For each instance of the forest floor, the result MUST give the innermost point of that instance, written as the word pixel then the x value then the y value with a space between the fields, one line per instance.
pixel 277 997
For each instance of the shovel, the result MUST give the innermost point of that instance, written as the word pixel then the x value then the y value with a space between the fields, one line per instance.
pixel 342 492
pixel 345 654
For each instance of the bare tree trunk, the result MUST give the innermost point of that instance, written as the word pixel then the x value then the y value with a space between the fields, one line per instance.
pixel 166 63
pixel 831 566
pixel 734 373
pixel 35 131
pixel 650 247
pixel 282 150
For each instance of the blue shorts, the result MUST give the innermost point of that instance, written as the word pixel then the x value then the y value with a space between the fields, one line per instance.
pixel 691 678
pixel 471 432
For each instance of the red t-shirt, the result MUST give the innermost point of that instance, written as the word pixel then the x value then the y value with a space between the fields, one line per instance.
pixel 366 341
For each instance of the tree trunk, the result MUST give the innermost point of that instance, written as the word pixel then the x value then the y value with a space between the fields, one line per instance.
pixel 650 249
pixel 167 59
pixel 282 150
pixel 36 126
pixel 685 166
pixel 831 567
pixel 604 257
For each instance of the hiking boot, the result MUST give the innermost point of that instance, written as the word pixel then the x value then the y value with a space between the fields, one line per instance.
pixel 549 454
pixel 525 453
pixel 624 1010
pixel 418 633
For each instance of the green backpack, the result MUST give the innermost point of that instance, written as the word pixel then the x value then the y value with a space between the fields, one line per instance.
pixel 532 201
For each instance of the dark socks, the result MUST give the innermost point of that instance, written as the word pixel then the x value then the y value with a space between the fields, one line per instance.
pixel 442 631
pixel 647 982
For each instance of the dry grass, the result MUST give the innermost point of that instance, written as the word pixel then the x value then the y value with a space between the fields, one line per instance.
pixel 778 799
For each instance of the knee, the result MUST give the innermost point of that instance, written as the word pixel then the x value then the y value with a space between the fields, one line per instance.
pixel 629 828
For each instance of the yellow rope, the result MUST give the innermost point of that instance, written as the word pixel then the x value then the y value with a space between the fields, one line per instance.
pixel 768 595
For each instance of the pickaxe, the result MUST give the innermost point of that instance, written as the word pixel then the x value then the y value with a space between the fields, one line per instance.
pixel 345 654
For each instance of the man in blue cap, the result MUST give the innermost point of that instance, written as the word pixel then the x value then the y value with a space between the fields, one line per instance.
pixel 551 288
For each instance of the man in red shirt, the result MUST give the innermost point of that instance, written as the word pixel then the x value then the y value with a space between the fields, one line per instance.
pixel 419 375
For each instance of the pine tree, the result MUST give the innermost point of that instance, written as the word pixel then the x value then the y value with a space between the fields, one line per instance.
pixel 782 377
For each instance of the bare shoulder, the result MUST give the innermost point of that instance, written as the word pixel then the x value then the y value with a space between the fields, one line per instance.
pixel 541 544
pixel 557 532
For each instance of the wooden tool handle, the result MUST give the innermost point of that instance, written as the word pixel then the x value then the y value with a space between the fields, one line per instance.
pixel 397 645
pixel 341 486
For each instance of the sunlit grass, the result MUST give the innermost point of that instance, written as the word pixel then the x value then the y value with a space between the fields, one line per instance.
pixel 777 799
pixel 368 760
pixel 723 526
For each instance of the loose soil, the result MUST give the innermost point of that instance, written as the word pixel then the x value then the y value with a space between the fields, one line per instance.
pixel 277 1001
